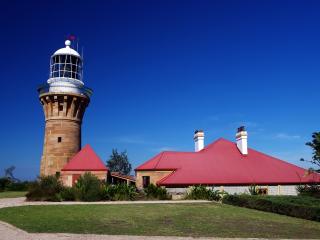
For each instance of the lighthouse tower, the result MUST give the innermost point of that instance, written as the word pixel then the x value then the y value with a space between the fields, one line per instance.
pixel 64 99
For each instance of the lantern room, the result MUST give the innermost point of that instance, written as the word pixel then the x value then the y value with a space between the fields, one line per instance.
pixel 66 63
pixel 66 73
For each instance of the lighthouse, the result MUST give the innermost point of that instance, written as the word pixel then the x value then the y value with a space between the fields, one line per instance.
pixel 64 99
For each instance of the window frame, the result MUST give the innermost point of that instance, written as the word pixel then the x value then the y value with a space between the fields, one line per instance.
pixel 145 181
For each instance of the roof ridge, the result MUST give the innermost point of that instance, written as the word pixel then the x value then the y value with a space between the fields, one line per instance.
pixel 166 177
pixel 150 160
pixel 213 143
pixel 159 159
pixel 85 159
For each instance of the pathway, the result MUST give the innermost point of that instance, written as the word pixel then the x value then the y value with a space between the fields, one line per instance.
pixel 15 202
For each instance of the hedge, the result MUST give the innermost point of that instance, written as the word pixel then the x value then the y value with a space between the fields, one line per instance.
pixel 6 184
pixel 275 205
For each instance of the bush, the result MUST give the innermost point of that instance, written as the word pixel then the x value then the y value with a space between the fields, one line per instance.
pixel 201 192
pixel 155 192
pixel 18 186
pixel 88 188
pixel 119 192
pixel 108 193
pixel 68 194
pixel 7 184
pixel 275 204
pixel 4 182
pixel 125 192
pixel 253 190
pixel 296 200
pixel 47 188
pixel 312 190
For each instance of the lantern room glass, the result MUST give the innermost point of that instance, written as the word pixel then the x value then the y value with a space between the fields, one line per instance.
pixel 67 66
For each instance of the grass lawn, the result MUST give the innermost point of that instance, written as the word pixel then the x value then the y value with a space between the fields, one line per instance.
pixel 196 220
pixel 12 194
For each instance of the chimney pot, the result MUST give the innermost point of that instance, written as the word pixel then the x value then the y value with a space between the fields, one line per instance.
pixel 241 128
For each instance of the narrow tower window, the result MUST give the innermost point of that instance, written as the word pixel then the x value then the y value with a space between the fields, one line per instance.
pixel 59 139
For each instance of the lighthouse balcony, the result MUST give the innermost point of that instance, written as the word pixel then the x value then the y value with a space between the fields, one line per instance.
pixel 64 88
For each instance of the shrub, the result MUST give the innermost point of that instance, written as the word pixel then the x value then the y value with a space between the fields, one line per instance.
pixel 312 190
pixel 7 184
pixel 155 192
pixel 280 205
pixel 68 194
pixel 89 188
pixel 296 200
pixel 18 186
pixel 201 192
pixel 4 182
pixel 253 190
pixel 119 192
pixel 47 188
pixel 125 192
pixel 108 193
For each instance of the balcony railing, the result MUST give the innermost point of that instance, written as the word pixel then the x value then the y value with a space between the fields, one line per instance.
pixel 44 88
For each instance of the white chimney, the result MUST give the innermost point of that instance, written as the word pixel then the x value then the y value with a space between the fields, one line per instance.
pixel 242 140
pixel 198 140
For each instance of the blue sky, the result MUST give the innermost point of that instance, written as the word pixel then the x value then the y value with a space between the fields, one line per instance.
pixel 161 69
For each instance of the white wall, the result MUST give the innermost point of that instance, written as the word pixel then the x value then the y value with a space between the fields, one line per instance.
pixel 272 190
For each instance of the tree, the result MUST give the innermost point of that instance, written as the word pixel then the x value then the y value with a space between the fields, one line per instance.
pixel 315 145
pixel 8 173
pixel 118 162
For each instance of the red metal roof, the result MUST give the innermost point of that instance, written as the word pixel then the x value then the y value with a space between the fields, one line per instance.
pixel 221 163
pixel 85 160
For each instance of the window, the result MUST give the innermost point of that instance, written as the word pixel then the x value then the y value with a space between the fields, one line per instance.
pixel 145 181
pixel 57 174
pixel 66 66
pixel 59 139
pixel 60 107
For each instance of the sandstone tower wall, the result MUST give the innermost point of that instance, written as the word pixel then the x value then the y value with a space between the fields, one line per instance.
pixel 63 115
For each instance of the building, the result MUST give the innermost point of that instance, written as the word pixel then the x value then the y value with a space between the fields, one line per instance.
pixel 226 165
pixel 118 178
pixel 64 99
pixel 84 161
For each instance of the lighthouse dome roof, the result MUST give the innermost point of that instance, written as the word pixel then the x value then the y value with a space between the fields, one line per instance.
pixel 67 50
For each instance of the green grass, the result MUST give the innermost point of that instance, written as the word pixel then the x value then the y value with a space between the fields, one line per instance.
pixel 12 194
pixel 196 220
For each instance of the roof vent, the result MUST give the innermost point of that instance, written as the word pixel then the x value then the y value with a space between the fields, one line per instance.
pixel 242 140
